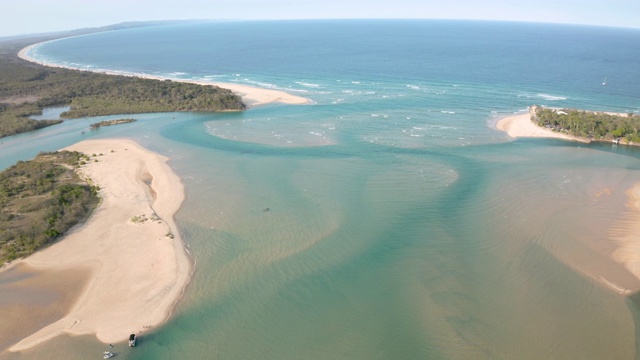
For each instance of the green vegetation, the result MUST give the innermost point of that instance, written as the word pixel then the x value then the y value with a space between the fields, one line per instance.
pixel 40 200
pixel 110 122
pixel 27 88
pixel 590 125
pixel 139 219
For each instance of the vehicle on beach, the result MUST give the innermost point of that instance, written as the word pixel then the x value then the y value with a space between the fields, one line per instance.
pixel 132 340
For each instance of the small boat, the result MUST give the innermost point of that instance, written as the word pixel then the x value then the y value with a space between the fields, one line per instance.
pixel 132 340
pixel 604 82
pixel 108 355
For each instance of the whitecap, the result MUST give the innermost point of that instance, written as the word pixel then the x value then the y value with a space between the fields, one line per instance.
pixel 551 97
pixel 308 84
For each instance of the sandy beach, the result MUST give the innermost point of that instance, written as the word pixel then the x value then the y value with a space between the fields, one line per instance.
pixel 520 125
pixel 129 258
pixel 251 96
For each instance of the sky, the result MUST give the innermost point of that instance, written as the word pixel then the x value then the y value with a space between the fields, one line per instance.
pixel 18 17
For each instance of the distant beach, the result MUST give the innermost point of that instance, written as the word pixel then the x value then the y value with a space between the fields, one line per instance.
pixel 520 125
pixel 126 265
pixel 251 96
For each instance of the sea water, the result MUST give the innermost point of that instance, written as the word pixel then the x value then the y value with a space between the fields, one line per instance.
pixel 388 219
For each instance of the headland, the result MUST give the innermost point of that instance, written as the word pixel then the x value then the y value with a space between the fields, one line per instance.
pixel 571 124
pixel 521 125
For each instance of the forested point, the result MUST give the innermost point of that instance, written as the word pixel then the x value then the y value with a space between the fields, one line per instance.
pixel 40 200
pixel 26 88
pixel 590 125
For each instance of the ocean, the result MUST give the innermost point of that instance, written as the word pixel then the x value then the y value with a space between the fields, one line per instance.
pixel 388 219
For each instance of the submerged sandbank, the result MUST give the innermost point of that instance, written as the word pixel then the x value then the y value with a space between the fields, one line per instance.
pixel 520 125
pixel 251 96
pixel 130 246
pixel 602 261
pixel 31 299
pixel 627 233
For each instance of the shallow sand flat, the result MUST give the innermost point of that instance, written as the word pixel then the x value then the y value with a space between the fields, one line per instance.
pixel 627 233
pixel 520 125
pixel 251 96
pixel 598 261
pixel 138 270
pixel 31 299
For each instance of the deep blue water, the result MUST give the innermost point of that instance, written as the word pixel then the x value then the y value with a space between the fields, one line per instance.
pixel 401 224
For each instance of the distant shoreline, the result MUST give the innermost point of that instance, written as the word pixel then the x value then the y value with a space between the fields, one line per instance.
pixel 252 96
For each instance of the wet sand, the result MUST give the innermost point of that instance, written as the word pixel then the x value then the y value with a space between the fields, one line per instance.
pixel 615 261
pixel 31 298
pixel 626 233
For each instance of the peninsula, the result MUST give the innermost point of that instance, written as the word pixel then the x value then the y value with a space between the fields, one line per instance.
pixel 251 96
pixel 130 248
pixel 572 124
pixel 27 88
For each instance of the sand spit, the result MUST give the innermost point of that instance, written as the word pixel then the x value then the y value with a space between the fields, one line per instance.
pixel 130 246
pixel 520 125
pixel 251 96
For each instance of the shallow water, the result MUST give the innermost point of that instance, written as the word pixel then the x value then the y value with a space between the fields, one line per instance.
pixel 387 220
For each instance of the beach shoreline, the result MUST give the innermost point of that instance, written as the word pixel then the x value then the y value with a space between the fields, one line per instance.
pixel 252 96
pixel 130 247
pixel 521 126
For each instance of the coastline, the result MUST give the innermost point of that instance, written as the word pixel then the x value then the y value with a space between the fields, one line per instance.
pixel 137 270
pixel 251 96
pixel 520 125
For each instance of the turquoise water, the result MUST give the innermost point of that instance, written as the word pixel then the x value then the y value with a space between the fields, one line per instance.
pixel 387 220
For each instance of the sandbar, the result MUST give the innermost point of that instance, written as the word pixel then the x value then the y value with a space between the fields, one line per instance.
pixel 626 233
pixel 520 125
pixel 251 95
pixel 137 268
